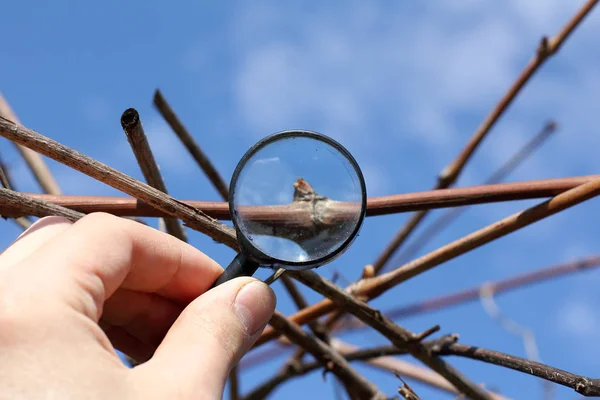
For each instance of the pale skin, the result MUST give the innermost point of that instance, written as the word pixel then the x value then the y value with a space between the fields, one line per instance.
pixel 72 293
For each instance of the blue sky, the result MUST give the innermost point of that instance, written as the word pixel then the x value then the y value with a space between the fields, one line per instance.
pixel 401 85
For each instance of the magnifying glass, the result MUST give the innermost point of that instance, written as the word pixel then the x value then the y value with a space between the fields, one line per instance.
pixel 297 201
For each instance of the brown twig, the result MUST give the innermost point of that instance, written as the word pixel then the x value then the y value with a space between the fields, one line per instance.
pixel 498 287
pixel 397 335
pixel 134 130
pixel 33 160
pixel 192 217
pixel 377 357
pixel 234 387
pixel 23 222
pixel 500 174
pixel 169 115
pixel 582 385
pixel 376 206
pixel 449 175
pixel 327 356
pixel 35 207
pixel 381 283
pixel 373 287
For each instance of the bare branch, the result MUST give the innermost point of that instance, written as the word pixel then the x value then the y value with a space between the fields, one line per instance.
pixel 399 336
pixel 500 174
pixel 582 385
pixel 449 175
pixel 373 287
pixel 191 216
pixel 377 357
pixel 33 160
pixel 23 222
pixel 134 130
pixel 498 287
pixel 169 115
pixel 381 283
pixel 32 206
pixel 327 356
pixel 234 389
pixel 376 206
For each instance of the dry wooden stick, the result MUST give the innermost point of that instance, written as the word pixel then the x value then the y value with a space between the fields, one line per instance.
pixel 498 287
pixel 134 130
pixel 327 356
pixel 372 287
pixel 376 206
pixel 23 222
pixel 32 206
pixel 500 174
pixel 449 175
pixel 192 217
pixel 582 385
pixel 234 384
pixel 393 364
pixel 33 160
pixel 169 115
pixel 445 301
pixel 378 357
pixel 317 327
pixel 381 283
pixel 397 335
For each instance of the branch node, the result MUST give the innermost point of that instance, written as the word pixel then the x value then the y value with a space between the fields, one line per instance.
pixel 425 334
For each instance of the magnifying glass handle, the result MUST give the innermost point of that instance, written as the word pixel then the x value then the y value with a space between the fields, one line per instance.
pixel 240 266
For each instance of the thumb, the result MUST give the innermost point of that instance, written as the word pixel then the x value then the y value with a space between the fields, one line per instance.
pixel 208 339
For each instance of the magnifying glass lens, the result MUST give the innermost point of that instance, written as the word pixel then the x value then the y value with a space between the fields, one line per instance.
pixel 298 199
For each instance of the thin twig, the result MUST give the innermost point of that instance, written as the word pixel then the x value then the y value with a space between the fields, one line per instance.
pixel 373 287
pixel 23 222
pixel 169 115
pixel 134 130
pixel 377 357
pixel 449 175
pixel 234 384
pixel 450 215
pixel 327 356
pixel 376 206
pixel 394 333
pixel 499 287
pixel 35 207
pixel 33 160
pixel 511 326
pixel 582 385
pixel 192 217
pixel 381 283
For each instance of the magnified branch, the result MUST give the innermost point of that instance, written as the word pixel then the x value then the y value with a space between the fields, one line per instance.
pixel 373 287
pixel 132 126
pixel 191 216
pixel 376 206
pixel 449 175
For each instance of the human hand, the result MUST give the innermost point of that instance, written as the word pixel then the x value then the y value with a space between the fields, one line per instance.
pixel 70 292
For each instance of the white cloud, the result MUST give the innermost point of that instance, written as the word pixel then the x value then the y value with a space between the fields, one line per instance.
pixel 337 67
pixel 578 319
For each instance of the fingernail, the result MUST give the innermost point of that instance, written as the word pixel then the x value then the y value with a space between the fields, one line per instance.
pixel 254 305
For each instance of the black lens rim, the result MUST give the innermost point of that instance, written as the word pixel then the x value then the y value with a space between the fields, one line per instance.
pixel 258 255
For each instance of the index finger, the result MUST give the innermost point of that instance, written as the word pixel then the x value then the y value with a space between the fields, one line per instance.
pixel 101 253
